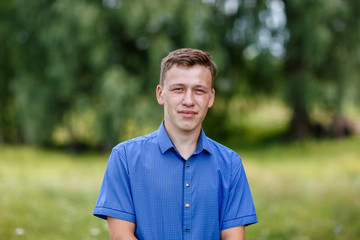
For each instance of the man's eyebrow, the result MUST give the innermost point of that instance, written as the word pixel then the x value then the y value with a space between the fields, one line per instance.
pixel 192 86
pixel 201 86
pixel 176 84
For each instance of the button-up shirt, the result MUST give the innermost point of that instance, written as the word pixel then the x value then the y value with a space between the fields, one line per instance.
pixel 148 182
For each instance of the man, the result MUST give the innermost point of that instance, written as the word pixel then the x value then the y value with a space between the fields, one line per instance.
pixel 176 183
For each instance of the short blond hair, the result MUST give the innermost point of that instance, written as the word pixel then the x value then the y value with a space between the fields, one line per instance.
pixel 187 57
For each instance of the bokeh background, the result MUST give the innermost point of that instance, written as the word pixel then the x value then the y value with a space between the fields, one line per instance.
pixel 77 77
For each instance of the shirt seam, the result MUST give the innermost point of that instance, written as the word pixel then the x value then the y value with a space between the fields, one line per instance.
pixel 143 139
pixel 101 207
pixel 251 215
pixel 122 158
pixel 136 140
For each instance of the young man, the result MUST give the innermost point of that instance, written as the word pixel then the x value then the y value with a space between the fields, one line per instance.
pixel 176 183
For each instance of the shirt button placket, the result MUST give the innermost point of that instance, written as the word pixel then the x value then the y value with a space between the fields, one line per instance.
pixel 187 201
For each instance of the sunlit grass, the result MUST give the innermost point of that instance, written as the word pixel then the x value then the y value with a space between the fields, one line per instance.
pixel 49 194
pixel 304 190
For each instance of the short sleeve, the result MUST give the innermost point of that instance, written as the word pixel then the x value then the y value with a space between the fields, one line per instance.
pixel 115 198
pixel 240 209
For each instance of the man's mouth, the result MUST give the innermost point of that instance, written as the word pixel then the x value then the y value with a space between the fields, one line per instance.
pixel 187 113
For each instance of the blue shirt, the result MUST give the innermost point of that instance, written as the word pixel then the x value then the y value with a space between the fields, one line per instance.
pixel 148 182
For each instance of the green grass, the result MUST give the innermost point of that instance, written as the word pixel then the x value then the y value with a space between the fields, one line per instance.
pixel 49 195
pixel 303 190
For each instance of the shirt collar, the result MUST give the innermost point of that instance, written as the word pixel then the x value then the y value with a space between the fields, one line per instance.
pixel 165 142
pixel 163 138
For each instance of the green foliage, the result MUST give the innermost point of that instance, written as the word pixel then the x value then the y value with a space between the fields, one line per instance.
pixel 322 58
pixel 61 60
pixel 323 47
pixel 119 92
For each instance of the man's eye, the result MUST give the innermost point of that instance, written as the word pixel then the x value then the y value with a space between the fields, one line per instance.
pixel 178 89
pixel 199 91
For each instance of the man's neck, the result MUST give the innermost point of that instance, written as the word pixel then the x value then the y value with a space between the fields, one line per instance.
pixel 185 142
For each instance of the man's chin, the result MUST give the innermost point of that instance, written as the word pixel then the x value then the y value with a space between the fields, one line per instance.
pixel 189 127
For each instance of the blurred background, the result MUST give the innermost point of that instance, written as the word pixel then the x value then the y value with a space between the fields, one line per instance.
pixel 77 77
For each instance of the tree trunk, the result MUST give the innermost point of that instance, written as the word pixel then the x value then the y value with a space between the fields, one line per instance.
pixel 300 126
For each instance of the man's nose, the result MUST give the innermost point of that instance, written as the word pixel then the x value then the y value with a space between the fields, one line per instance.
pixel 188 98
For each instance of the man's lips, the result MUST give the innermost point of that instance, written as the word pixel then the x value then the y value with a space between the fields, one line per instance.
pixel 187 113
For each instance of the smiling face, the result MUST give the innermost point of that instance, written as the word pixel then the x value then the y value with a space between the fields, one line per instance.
pixel 186 95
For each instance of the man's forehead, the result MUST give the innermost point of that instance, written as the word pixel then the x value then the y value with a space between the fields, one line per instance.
pixel 196 76
pixel 185 67
pixel 184 70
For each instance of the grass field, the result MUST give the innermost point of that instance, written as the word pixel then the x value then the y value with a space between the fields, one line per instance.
pixel 304 190
pixel 307 190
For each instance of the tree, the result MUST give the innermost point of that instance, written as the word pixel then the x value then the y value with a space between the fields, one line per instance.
pixel 88 69
pixel 322 36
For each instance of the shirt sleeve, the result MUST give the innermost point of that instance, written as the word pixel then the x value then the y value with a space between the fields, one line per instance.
pixel 115 198
pixel 240 209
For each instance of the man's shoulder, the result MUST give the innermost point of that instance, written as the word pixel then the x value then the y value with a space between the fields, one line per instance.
pixel 227 158
pixel 221 149
pixel 138 142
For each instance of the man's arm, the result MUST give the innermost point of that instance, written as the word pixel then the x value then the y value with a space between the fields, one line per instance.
pixel 120 229
pixel 234 233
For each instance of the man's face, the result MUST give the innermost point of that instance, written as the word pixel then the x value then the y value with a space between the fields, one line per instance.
pixel 186 95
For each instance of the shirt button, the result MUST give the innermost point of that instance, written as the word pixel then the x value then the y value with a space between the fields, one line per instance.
pixel 187 184
pixel 187 229
pixel 187 205
pixel 188 165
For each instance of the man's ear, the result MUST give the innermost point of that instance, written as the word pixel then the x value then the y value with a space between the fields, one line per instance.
pixel 212 98
pixel 159 95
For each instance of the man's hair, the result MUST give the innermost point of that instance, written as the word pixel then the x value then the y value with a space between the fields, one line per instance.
pixel 187 57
